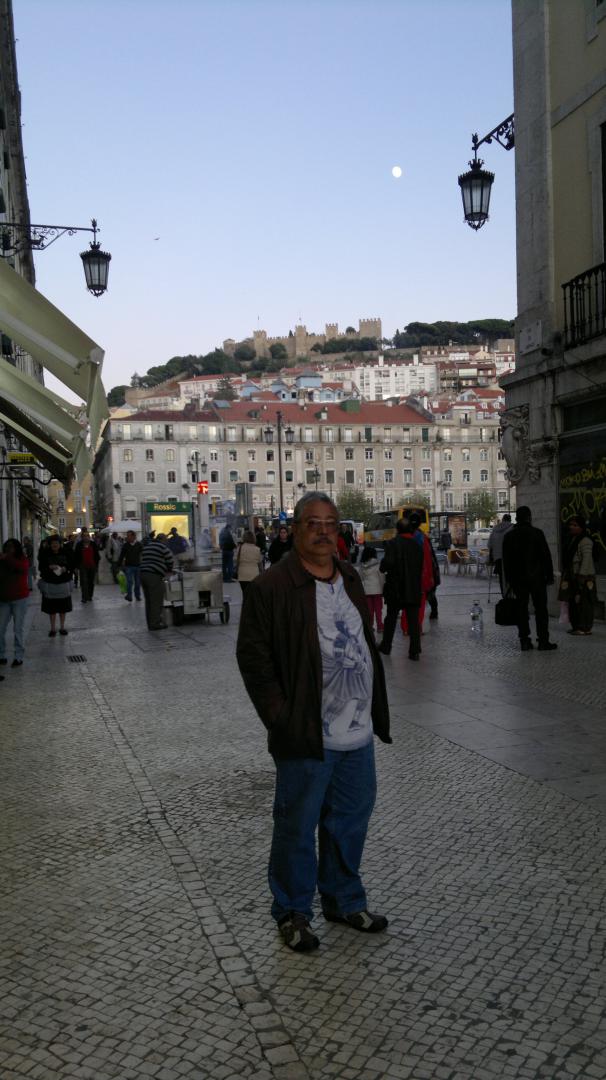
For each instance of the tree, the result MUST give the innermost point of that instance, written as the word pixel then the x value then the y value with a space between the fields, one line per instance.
pixel 225 390
pixel 481 506
pixel 116 396
pixel 353 504
pixel 244 353
pixel 317 347
pixel 278 351
pixel 349 330
pixel 416 498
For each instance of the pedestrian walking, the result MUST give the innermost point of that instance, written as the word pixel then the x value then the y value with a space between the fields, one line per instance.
pixel 403 565
pixel 156 562
pixel 309 662
pixel 86 561
pixel 113 551
pixel 373 582
pixel 55 584
pixel 528 570
pixel 228 546
pixel 495 549
pixel 14 591
pixel 249 560
pixel 577 585
pixel 130 559
pixel 280 545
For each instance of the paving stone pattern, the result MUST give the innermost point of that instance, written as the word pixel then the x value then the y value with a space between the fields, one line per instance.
pixel 136 792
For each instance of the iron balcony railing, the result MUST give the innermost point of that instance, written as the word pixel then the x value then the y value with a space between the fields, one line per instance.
pixel 585 306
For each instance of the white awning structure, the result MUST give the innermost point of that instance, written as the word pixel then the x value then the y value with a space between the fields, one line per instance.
pixel 69 354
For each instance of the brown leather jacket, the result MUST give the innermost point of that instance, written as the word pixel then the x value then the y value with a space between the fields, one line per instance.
pixel 279 657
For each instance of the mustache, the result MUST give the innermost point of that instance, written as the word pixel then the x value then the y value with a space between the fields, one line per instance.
pixel 323 539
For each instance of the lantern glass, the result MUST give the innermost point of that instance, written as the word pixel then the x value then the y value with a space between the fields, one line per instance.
pixel 289 435
pixel 475 187
pixel 96 269
pixel 268 435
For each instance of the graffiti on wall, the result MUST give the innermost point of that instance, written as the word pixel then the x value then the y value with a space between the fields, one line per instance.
pixel 583 492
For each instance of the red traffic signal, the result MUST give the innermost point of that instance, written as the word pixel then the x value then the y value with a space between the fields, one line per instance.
pixel 202 487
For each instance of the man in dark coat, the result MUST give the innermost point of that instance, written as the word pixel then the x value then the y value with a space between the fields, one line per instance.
pixel 529 570
pixel 403 565
pixel 307 655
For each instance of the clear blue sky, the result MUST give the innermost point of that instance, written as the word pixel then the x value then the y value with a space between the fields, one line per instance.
pixel 256 138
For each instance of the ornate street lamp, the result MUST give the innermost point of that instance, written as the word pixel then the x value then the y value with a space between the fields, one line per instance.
pixel 289 435
pixel 476 185
pixel 16 236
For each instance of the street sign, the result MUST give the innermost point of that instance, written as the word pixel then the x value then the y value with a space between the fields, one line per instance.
pixel 202 487
pixel 282 516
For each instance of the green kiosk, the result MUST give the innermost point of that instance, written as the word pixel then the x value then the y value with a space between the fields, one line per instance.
pixel 161 517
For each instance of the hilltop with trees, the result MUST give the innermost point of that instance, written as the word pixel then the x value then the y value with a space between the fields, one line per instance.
pixel 245 359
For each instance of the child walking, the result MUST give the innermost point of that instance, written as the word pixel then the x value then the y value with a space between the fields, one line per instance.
pixel 373 581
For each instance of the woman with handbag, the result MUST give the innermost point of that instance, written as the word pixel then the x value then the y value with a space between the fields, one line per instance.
pixel 55 584
pixel 249 560
pixel 577 586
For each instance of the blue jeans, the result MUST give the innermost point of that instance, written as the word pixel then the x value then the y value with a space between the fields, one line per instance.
pixel 335 796
pixel 133 580
pixel 14 609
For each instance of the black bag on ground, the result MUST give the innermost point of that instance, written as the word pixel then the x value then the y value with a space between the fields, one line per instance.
pixel 506 611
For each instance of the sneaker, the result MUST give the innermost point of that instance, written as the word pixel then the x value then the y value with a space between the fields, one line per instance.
pixel 63 633
pixel 4 661
pixel 129 598
pixel 382 649
pixel 364 921
pixel 526 645
pixel 52 633
pixel 546 646
pixel 16 663
pixel 297 933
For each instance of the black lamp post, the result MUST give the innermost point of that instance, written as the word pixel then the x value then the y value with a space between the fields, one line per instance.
pixel 289 435
pixel 316 476
pixel 476 184
pixel 16 236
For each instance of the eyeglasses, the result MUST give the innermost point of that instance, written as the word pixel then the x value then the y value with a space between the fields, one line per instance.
pixel 321 523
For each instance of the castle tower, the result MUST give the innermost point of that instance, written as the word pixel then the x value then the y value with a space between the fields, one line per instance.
pixel 332 330
pixel 260 343
pixel 370 328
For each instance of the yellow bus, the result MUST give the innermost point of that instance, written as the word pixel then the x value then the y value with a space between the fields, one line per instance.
pixel 381 526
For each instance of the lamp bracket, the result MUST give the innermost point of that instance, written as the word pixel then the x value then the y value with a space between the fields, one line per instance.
pixel 16 236
pixel 503 133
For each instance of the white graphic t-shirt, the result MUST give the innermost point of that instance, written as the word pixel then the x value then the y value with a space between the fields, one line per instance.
pixel 347 671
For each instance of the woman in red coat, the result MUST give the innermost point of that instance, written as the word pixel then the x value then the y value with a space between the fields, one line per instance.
pixel 14 591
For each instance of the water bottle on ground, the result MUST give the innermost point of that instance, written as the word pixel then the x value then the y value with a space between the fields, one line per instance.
pixel 477 622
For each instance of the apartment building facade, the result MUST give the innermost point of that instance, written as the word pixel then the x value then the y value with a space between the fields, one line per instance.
pixel 388 451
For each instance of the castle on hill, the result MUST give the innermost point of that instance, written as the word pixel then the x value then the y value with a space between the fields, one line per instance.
pixel 300 343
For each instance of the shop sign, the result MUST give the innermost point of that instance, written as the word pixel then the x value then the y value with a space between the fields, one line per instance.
pixel 14 457
pixel 168 507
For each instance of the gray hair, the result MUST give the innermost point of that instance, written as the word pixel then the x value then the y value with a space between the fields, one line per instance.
pixel 311 497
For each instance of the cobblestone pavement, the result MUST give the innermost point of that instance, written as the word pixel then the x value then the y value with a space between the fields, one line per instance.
pixel 135 794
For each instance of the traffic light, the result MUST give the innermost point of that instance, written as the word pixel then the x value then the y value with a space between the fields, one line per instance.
pixel 202 487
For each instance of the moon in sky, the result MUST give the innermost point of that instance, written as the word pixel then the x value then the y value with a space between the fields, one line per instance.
pixel 396 171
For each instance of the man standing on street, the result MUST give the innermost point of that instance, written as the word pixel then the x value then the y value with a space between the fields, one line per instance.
pixel 307 655
pixel 529 570
pixel 156 562
pixel 403 564
pixel 130 559
pixel 495 548
pixel 228 546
